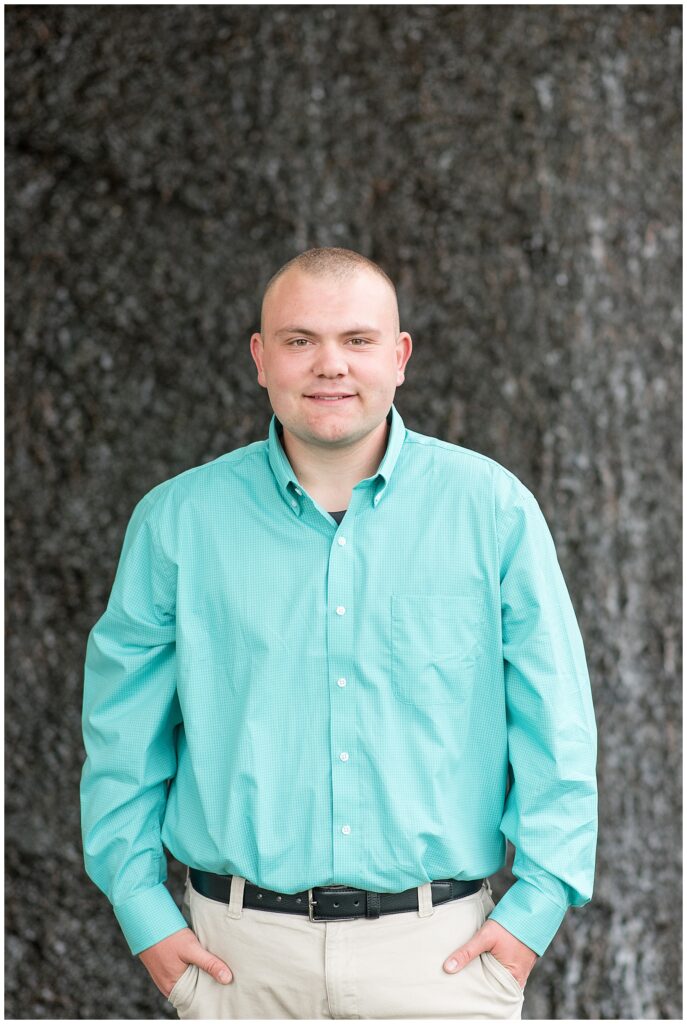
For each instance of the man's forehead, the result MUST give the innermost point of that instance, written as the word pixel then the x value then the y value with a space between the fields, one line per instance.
pixel 286 309
pixel 295 277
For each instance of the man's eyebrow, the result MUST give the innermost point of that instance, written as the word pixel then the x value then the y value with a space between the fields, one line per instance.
pixel 313 334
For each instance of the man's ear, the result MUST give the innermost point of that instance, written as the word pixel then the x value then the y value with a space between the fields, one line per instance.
pixel 404 347
pixel 256 349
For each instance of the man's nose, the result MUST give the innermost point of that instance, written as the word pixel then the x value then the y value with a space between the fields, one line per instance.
pixel 330 360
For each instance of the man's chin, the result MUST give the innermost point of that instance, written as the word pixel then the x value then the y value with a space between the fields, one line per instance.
pixel 331 434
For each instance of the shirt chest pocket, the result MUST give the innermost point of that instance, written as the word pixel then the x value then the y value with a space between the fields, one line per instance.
pixel 436 644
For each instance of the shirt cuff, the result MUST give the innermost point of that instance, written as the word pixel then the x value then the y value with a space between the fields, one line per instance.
pixel 529 915
pixel 148 917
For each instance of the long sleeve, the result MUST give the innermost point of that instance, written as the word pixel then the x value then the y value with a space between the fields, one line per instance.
pixel 130 710
pixel 550 813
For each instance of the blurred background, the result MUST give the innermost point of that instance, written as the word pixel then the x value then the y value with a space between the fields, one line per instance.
pixel 516 170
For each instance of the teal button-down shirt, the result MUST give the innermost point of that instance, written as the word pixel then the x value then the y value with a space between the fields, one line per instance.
pixel 377 703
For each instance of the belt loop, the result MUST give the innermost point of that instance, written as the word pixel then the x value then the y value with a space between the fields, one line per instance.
pixel 235 907
pixel 186 899
pixel 373 905
pixel 488 885
pixel 425 907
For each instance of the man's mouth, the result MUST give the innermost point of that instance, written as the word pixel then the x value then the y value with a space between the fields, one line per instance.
pixel 329 398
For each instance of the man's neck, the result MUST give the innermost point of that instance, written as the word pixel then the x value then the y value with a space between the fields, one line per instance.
pixel 329 476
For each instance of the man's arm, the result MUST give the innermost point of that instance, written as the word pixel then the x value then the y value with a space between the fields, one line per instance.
pixel 550 813
pixel 130 709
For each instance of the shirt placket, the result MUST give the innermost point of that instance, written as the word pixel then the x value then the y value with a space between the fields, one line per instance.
pixel 342 615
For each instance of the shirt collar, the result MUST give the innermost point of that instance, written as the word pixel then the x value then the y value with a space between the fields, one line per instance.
pixel 288 481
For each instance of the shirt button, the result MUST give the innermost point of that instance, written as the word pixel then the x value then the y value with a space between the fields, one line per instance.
pixel 376 498
pixel 341 610
pixel 341 682
pixel 341 541
pixel 295 504
pixel 343 756
pixel 346 829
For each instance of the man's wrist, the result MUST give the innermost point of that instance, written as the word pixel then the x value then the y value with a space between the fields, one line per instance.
pixel 149 916
pixel 529 915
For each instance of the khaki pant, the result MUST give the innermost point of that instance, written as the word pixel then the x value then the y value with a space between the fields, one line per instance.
pixel 287 967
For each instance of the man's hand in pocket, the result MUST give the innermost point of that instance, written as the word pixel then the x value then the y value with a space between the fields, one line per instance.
pixel 167 960
pixel 493 938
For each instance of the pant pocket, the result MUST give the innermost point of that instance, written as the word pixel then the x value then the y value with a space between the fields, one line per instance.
pixel 494 968
pixel 184 988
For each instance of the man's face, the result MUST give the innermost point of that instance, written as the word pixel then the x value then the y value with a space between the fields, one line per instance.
pixel 328 336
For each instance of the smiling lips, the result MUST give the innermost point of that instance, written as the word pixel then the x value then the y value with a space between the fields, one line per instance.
pixel 329 398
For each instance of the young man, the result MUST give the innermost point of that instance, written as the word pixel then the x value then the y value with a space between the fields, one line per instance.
pixel 337 670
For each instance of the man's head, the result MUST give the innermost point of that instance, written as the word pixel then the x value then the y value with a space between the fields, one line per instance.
pixel 330 325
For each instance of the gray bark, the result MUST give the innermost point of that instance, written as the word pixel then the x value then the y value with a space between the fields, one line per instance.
pixel 517 171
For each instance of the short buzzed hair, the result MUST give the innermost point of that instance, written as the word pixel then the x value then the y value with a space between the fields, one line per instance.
pixel 331 262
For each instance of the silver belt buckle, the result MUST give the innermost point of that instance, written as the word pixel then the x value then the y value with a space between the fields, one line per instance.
pixel 311 904
pixel 311 915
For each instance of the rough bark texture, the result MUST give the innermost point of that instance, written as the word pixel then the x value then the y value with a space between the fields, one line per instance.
pixel 516 170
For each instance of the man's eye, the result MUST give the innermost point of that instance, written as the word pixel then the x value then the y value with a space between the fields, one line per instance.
pixel 295 341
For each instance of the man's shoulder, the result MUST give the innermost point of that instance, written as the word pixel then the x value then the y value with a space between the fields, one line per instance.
pixel 457 456
pixel 198 479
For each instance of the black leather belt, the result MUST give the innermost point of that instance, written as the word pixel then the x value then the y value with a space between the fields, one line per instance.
pixel 333 902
